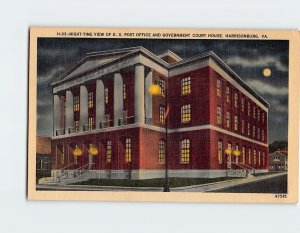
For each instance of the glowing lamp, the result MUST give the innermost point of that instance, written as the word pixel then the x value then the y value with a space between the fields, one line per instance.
pixel 237 153
pixel 154 89
pixel 228 151
pixel 93 150
pixel 77 152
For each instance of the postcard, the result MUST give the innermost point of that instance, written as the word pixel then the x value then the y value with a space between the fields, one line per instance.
pixel 168 115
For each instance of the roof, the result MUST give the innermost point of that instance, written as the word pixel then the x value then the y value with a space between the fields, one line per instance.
pixel 120 54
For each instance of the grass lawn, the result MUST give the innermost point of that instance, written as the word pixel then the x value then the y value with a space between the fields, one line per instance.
pixel 159 182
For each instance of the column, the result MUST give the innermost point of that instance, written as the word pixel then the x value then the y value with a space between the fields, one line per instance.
pixel 69 111
pixel 139 80
pixel 56 113
pixel 148 96
pixel 118 98
pixel 100 106
pixel 83 107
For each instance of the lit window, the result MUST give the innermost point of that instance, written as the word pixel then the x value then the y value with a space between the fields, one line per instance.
pixel 259 158
pixel 161 151
pixel 243 104
pixel 219 115
pixel 263 135
pixel 186 113
pixel 76 126
pixel 108 151
pixel 236 99
pixel 161 114
pixel 254 115
pixel 249 109
pixel 237 157
pixel 243 155
pixel 106 95
pixel 62 158
pixel 258 133
pixel 128 150
pixel 227 94
pixel 91 122
pixel 124 91
pixel 90 99
pixel 162 84
pixel 258 115
pixel 263 118
pixel 249 156
pixel 248 129
pixel 243 126
pixel 185 151
pixel 186 86
pixel 227 119
pixel 76 103
pixel 254 157
pixel 253 131
pixel 218 88
pixel 236 123
pixel 220 151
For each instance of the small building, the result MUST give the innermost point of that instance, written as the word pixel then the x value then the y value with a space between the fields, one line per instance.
pixel 278 161
pixel 43 156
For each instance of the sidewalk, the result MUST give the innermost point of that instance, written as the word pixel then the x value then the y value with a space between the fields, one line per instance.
pixel 195 188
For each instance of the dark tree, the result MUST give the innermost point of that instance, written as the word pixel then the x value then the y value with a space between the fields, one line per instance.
pixel 277 145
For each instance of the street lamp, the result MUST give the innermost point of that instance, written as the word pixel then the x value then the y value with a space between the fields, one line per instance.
pixel 155 90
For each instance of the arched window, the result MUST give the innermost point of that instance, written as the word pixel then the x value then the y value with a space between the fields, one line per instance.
pixel 185 150
pixel 220 151
pixel 128 150
pixel 161 151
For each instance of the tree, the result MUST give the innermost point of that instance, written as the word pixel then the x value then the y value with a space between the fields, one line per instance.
pixel 277 145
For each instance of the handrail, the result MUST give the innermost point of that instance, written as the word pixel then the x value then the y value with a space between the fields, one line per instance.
pixel 243 166
pixel 80 170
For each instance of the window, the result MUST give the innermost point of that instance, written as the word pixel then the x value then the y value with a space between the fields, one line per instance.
pixel 161 114
pixel 220 151
pixel 227 119
pixel 124 91
pixel 254 157
pixel 264 159
pixel 248 129
pixel 237 157
pixel 249 156
pixel 106 95
pixel 108 151
pixel 186 86
pixel 75 157
pixel 259 158
pixel 62 158
pixel 249 109
pixel 128 150
pixel 218 88
pixel 76 126
pixel 263 118
pixel 258 114
pixel 76 103
pixel 263 135
pixel 186 113
pixel 91 122
pixel 243 105
pixel 258 133
pixel 243 126
pixel 185 151
pixel 90 99
pixel 253 131
pixel 254 115
pixel 243 155
pixel 236 123
pixel 161 151
pixel 219 115
pixel 162 84
pixel 227 94
pixel 236 99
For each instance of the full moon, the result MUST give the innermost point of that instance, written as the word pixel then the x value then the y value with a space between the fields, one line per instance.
pixel 267 72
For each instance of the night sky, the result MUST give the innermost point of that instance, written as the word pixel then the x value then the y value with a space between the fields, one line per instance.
pixel 248 58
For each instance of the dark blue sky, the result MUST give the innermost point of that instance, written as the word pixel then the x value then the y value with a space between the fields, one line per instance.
pixel 247 58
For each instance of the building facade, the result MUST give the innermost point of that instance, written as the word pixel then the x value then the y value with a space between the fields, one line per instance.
pixel 43 156
pixel 106 119
pixel 278 161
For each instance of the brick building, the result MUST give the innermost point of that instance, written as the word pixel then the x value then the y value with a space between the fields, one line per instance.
pixel 102 104
pixel 278 161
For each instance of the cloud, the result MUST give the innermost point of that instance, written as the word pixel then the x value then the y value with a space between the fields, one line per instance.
pixel 52 74
pixel 258 62
pixel 268 89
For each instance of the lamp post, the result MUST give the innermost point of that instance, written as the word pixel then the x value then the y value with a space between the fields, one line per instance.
pixel 155 90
